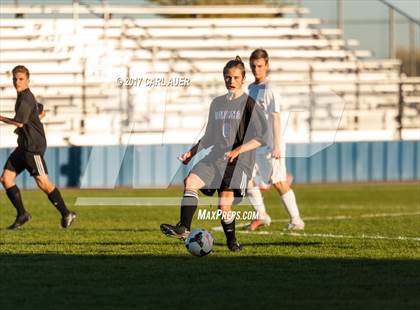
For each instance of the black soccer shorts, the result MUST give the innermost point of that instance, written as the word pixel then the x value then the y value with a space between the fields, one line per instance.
pixel 20 160
pixel 230 178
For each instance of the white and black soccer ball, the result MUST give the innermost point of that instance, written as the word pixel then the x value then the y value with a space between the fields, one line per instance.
pixel 199 242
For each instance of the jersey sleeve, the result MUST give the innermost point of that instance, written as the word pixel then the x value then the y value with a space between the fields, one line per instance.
pixel 208 138
pixel 257 128
pixel 24 112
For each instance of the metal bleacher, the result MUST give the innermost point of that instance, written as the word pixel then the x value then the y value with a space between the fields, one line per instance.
pixel 327 82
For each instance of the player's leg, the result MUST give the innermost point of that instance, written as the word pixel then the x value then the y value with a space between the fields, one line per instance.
pixel 226 198
pixel 38 169
pixel 192 185
pixel 288 198
pixel 262 171
pixel 289 179
pixel 13 193
pixel 232 190
pixel 189 202
pixel 13 167
pixel 54 196
pixel 256 199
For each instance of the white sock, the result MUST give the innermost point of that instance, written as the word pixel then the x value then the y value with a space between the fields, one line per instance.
pixel 257 202
pixel 289 202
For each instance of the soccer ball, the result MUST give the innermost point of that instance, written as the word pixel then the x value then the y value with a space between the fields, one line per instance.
pixel 199 242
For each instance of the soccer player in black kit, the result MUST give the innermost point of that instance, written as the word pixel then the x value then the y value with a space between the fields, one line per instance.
pixel 235 128
pixel 29 154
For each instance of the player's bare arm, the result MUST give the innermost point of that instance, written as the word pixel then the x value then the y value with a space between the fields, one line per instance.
pixel 187 156
pixel 41 111
pixel 10 121
pixel 276 153
pixel 246 147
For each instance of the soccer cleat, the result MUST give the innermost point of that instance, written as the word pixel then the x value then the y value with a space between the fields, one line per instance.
pixel 296 225
pixel 20 220
pixel 257 223
pixel 67 220
pixel 178 231
pixel 235 246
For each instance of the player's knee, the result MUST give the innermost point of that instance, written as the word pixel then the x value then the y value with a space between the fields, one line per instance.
pixel 45 185
pixel 253 192
pixel 191 182
pixel 41 185
pixel 225 206
pixel 6 181
pixel 226 201
pixel 282 186
pixel 49 188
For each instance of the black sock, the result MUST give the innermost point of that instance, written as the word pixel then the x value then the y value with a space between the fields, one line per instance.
pixel 188 206
pixel 14 195
pixel 229 230
pixel 58 202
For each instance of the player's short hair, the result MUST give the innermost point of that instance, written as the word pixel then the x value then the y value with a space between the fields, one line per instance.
pixel 20 69
pixel 258 54
pixel 235 63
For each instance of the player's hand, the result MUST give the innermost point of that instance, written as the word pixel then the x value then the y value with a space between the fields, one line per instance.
pixel 232 155
pixel 185 158
pixel 275 153
pixel 1 118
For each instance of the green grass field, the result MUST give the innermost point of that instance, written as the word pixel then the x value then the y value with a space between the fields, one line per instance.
pixel 360 250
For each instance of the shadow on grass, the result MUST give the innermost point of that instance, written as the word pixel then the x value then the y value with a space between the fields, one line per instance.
pixel 184 282
pixel 169 244
pixel 43 229
pixel 81 243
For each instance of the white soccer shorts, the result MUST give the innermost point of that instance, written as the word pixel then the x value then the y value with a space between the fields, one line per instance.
pixel 268 170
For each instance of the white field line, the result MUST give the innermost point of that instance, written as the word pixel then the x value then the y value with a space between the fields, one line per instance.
pixel 340 217
pixel 377 237
pixel 337 218
pixel 144 201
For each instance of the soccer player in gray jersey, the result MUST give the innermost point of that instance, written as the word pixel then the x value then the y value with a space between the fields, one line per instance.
pixel 29 154
pixel 235 128
pixel 270 166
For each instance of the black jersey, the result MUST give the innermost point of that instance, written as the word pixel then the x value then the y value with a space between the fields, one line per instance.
pixel 31 137
pixel 232 123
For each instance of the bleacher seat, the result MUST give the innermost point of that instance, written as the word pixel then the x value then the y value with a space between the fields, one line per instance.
pixel 75 65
